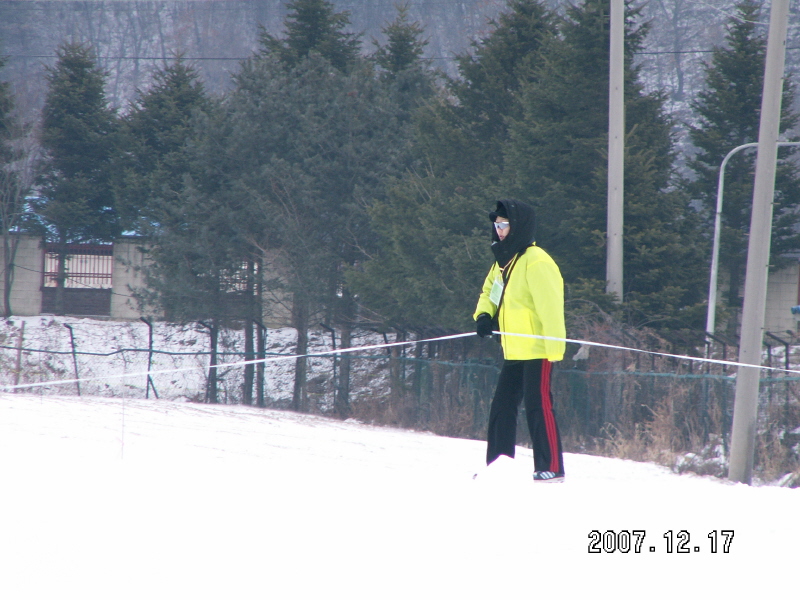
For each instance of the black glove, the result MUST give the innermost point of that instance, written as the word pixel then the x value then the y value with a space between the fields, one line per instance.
pixel 484 325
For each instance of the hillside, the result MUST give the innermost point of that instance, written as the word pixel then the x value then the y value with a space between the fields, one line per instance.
pixel 132 37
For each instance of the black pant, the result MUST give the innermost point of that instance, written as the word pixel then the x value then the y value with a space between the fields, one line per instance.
pixel 528 379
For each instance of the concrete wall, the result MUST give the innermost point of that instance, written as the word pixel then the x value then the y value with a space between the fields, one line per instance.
pixel 26 294
pixel 26 291
pixel 782 294
pixel 126 277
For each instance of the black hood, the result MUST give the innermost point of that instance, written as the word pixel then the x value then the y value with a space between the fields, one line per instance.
pixel 521 234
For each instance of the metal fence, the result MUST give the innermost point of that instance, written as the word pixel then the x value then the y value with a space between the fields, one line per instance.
pixel 613 403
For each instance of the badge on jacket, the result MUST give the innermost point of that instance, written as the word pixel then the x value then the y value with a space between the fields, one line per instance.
pixel 497 291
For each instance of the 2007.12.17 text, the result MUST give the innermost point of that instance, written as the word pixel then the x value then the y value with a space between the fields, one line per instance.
pixel 625 541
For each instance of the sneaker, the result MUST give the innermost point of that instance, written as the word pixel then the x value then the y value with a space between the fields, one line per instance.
pixel 548 476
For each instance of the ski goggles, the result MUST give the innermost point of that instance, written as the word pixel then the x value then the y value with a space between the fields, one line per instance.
pixel 502 225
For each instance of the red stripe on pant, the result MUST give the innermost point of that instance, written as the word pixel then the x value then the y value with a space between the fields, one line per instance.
pixel 549 417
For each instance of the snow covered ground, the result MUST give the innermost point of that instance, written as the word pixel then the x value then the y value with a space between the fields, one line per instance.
pixel 120 498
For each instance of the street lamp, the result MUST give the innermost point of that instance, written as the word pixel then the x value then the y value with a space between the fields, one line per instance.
pixel 711 315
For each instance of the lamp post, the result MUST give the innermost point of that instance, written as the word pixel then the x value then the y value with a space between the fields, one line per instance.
pixel 711 315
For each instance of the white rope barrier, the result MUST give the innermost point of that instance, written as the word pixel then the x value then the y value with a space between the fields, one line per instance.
pixel 281 357
pixel 274 358
pixel 729 363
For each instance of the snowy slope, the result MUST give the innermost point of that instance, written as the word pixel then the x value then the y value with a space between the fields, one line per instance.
pixel 111 498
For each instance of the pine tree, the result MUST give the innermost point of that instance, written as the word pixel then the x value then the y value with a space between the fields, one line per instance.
pixel 466 138
pixel 494 73
pixel 433 224
pixel 556 160
pixel 314 26
pixel 196 268
pixel 409 77
pixel 78 136
pixel 431 260
pixel 78 129
pixel 156 131
pixel 728 111
pixel 171 185
pixel 313 147
pixel 404 44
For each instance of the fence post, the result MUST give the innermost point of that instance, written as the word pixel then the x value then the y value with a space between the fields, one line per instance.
pixel 262 354
pixel 18 363
pixel 74 357
pixel 417 383
pixel 334 360
pixel 149 358
pixel 786 362
pixel 211 382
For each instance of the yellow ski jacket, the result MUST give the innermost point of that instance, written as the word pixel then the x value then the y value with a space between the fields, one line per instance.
pixel 533 303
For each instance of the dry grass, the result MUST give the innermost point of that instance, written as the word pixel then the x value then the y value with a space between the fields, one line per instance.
pixel 617 404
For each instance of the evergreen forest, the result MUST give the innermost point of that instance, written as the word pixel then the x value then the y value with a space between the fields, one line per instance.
pixel 349 180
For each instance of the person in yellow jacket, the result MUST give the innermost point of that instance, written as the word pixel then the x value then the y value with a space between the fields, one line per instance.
pixel 523 294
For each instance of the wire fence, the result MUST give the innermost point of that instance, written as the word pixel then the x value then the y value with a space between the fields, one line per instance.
pixel 612 402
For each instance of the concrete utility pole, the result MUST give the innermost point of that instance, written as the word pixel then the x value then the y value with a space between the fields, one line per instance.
pixel 755 286
pixel 616 149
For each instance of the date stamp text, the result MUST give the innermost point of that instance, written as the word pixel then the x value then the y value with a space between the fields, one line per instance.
pixel 637 541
